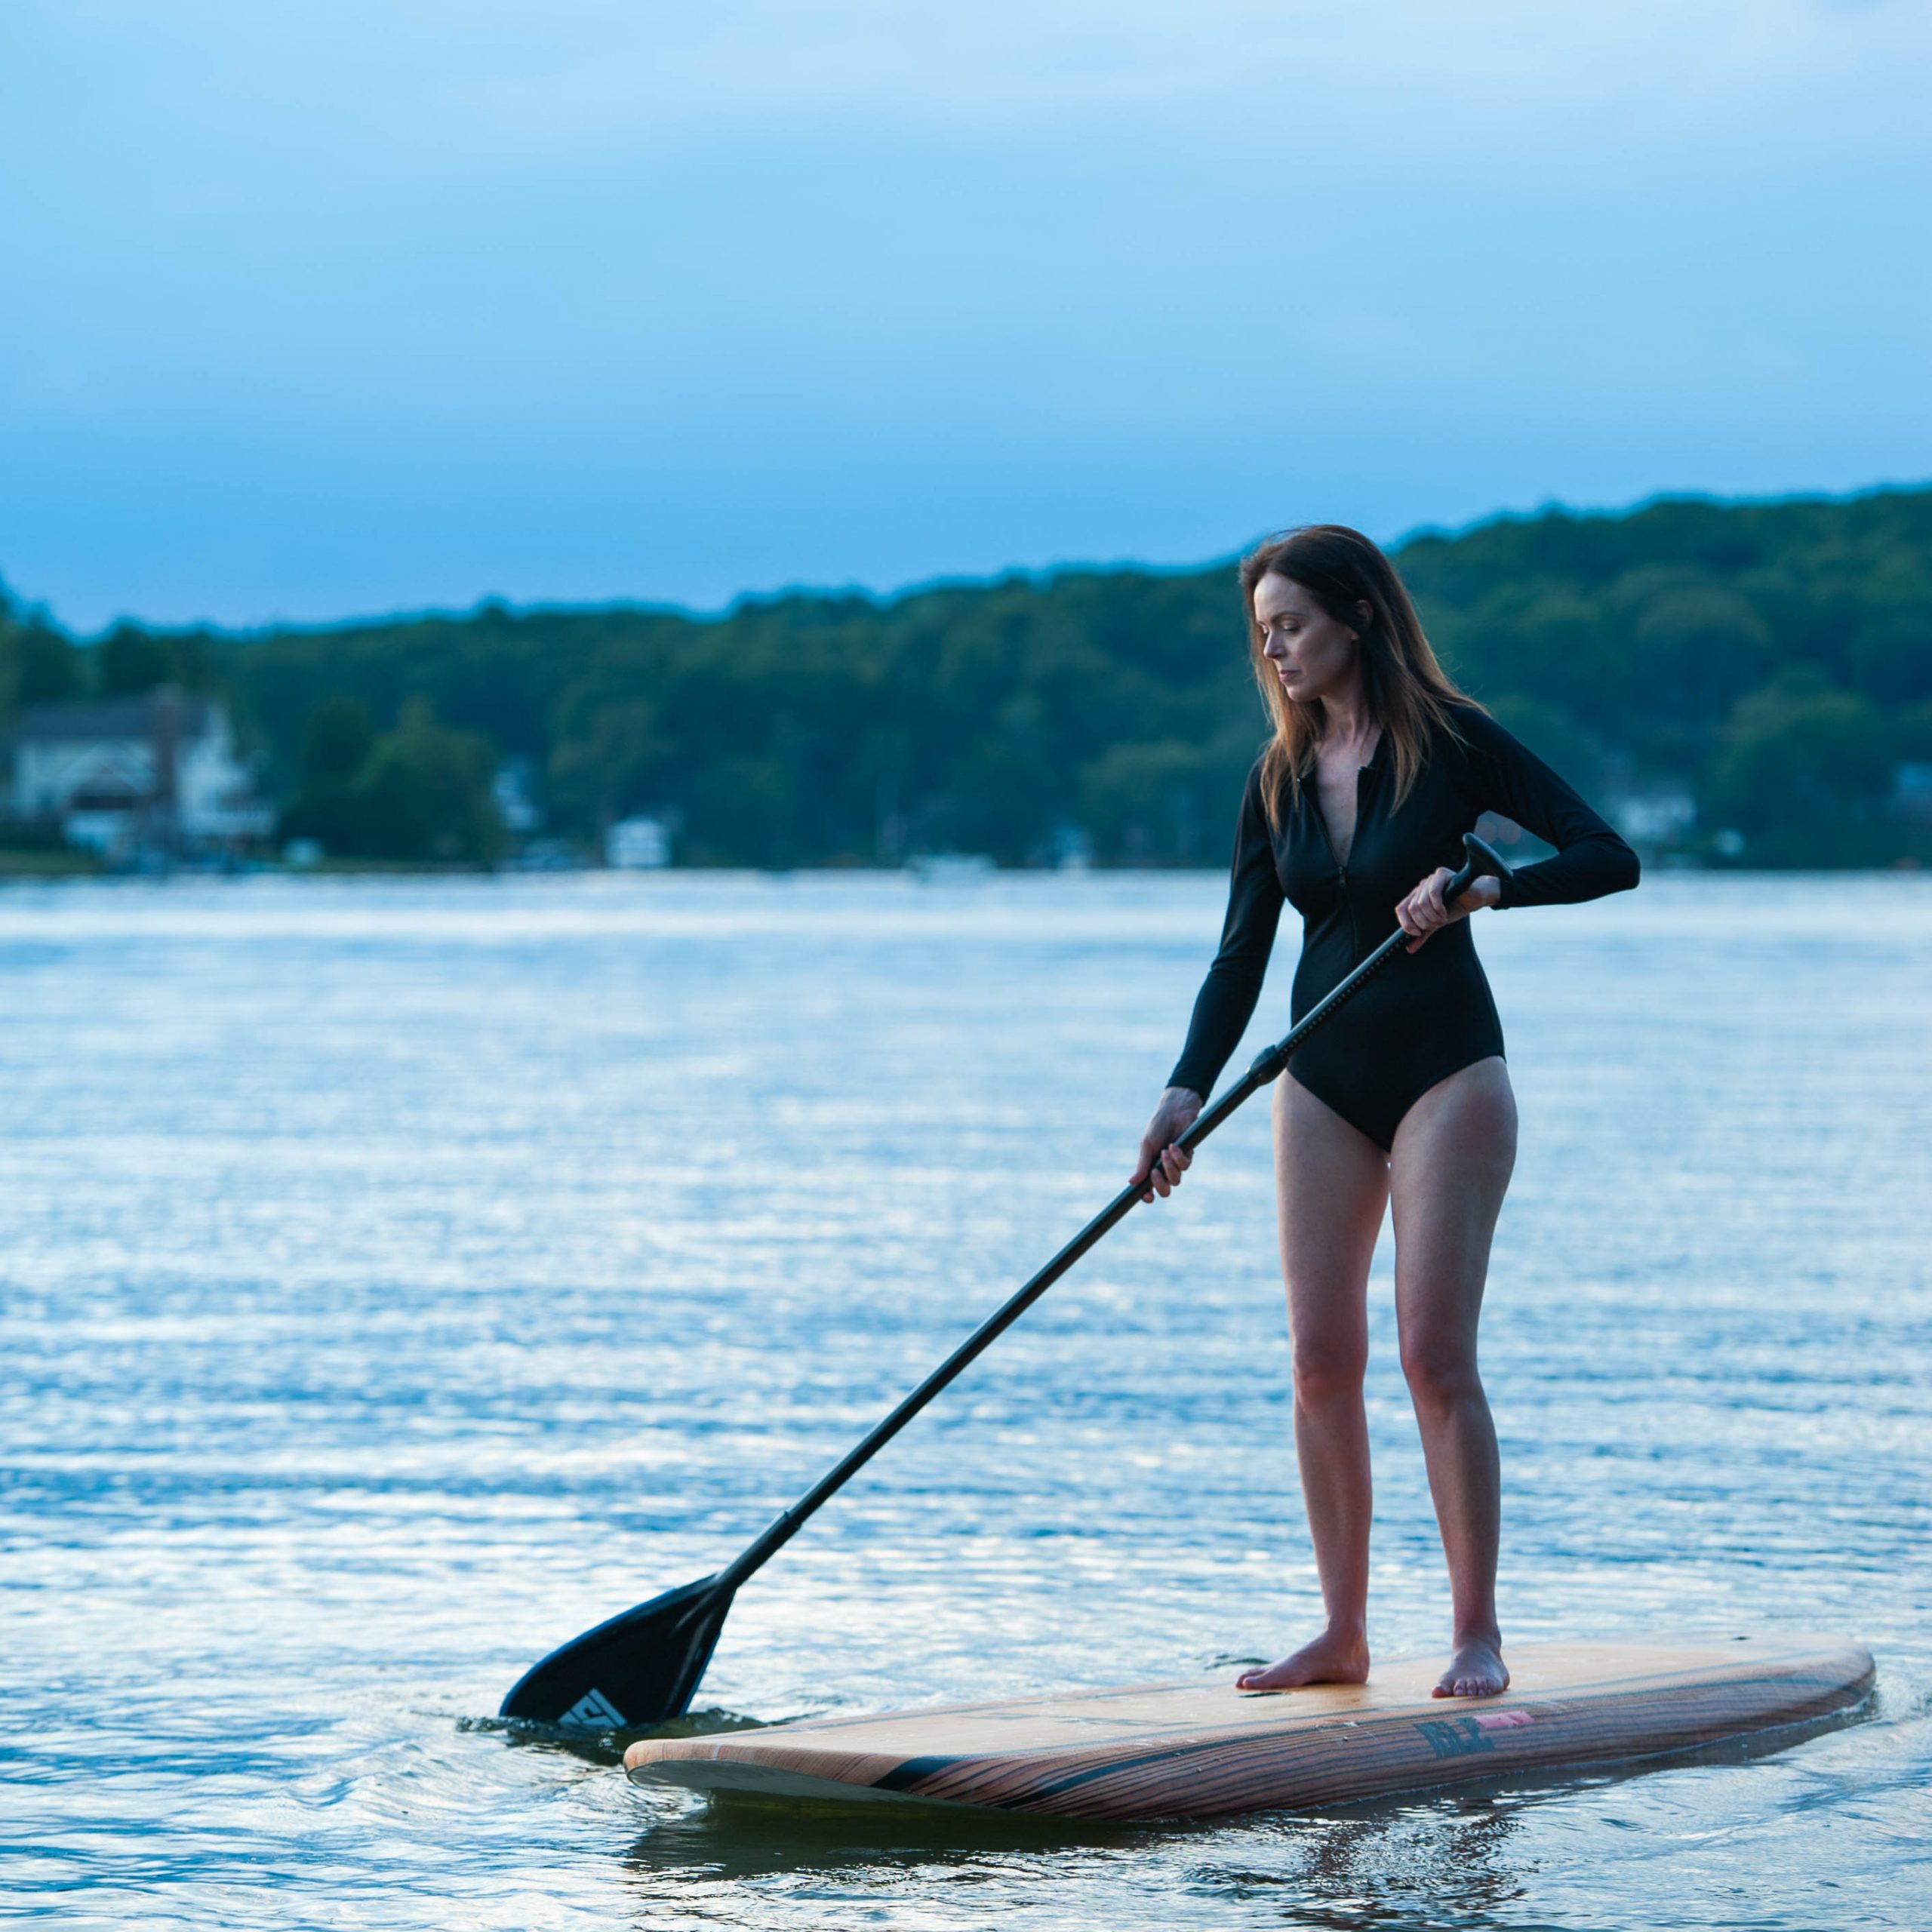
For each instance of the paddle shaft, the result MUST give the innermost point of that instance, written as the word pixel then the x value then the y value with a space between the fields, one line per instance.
pixel 1267 1067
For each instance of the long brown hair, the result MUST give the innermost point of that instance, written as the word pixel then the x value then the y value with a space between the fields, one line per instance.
pixel 1408 692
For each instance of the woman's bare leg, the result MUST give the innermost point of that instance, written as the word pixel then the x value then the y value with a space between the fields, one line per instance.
pixel 1453 1156
pixel 1331 1184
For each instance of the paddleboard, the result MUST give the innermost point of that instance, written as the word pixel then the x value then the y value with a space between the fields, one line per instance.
pixel 1198 1748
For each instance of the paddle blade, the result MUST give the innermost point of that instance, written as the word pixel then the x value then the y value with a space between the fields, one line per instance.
pixel 633 1672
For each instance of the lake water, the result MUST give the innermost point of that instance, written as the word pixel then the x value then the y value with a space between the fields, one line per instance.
pixel 401 1276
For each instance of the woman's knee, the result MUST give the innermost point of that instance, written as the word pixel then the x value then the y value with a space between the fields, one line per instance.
pixel 1328 1368
pixel 1440 1369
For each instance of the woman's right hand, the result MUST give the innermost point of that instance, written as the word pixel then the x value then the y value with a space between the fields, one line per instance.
pixel 1162 1164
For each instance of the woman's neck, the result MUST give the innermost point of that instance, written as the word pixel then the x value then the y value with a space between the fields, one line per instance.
pixel 1347 720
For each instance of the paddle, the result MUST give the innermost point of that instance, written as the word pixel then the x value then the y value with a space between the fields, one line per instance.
pixel 638 1670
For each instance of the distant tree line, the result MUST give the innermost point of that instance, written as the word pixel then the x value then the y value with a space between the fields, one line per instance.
pixel 1773 662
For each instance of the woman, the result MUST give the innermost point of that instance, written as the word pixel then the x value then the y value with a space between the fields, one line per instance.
pixel 1355 813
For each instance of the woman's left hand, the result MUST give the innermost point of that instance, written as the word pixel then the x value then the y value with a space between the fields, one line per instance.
pixel 1424 911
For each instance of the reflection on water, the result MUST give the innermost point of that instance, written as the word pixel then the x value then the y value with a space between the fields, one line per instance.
pixel 1449 1859
pixel 399 1278
pixel 743 1838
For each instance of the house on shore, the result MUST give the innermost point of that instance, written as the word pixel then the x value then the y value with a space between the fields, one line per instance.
pixel 152 777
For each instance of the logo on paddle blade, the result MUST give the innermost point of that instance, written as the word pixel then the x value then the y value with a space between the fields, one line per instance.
pixel 592 1711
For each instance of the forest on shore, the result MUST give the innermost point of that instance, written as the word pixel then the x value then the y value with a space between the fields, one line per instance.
pixel 1750 682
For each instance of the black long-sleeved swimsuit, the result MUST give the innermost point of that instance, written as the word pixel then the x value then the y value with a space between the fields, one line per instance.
pixel 1427 1014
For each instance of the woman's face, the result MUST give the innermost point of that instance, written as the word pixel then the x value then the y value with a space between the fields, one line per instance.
pixel 1312 655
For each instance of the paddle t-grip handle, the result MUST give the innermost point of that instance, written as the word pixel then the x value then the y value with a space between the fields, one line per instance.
pixel 1481 860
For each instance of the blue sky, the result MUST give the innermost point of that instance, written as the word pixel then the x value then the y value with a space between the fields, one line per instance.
pixel 315 310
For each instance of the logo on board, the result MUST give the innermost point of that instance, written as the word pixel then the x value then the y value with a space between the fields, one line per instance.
pixel 1462 1737
pixel 1453 1737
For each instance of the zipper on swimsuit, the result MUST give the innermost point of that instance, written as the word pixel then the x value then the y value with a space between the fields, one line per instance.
pixel 1327 837
pixel 1355 927
pixel 1362 775
pixel 1341 870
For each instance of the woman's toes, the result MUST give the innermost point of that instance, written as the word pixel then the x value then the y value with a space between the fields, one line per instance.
pixel 1476 1670
pixel 1324 1661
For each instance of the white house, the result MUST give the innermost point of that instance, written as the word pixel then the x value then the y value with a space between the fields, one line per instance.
pixel 120 773
pixel 516 805
pixel 1653 815
pixel 638 844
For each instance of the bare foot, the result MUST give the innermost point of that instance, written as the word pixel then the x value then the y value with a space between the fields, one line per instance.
pixel 1476 1669
pixel 1331 1659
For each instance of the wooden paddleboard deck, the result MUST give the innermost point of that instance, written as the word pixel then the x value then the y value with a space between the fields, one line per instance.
pixel 1194 1749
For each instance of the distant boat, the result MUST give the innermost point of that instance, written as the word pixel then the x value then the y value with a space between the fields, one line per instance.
pixel 951 868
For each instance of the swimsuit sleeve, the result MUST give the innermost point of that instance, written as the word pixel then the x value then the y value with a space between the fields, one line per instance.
pixel 1507 777
pixel 1227 997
